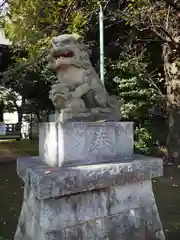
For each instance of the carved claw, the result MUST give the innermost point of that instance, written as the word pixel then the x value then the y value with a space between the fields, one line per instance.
pixel 100 110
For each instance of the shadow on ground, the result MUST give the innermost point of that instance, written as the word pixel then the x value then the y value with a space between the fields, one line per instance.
pixel 166 189
pixel 167 192
pixel 11 193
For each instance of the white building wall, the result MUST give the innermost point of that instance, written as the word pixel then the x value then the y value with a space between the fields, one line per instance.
pixel 10 117
pixel 3 39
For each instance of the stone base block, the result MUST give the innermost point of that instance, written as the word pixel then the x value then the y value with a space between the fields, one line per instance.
pixel 75 143
pixel 88 116
pixel 98 202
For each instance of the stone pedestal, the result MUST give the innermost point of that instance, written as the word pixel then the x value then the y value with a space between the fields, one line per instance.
pixel 79 143
pixel 112 201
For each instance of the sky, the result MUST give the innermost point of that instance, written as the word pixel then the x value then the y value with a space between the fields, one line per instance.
pixel 4 6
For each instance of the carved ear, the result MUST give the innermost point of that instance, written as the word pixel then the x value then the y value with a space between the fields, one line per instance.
pixel 87 49
pixel 78 38
pixel 54 40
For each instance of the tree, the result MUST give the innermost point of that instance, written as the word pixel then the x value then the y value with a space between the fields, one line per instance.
pixel 31 26
pixel 32 85
pixel 130 57
pixel 162 20
pixel 11 101
pixel 1 110
pixel 40 20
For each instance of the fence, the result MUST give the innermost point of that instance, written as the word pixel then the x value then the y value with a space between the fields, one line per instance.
pixel 12 131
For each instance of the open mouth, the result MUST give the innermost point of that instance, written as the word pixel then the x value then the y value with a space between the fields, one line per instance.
pixel 64 55
pixel 67 54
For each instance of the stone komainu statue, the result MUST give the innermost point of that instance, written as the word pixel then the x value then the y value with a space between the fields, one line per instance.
pixel 78 89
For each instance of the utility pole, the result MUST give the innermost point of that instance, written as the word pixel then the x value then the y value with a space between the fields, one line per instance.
pixel 101 36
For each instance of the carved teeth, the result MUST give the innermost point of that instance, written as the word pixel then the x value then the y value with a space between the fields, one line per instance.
pixel 67 54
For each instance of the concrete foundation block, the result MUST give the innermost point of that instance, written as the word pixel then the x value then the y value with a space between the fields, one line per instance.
pixel 112 201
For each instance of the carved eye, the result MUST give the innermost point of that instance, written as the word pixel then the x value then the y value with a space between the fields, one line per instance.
pixel 80 40
pixel 54 40
pixel 66 41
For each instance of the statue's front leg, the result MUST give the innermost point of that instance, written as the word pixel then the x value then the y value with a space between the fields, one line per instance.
pixel 80 91
pixel 75 106
pixel 58 101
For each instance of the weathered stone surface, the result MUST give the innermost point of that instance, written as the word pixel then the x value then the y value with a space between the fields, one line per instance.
pixel 101 214
pixel 130 196
pixel 78 143
pixel 49 182
pixel 78 91
pixel 88 116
